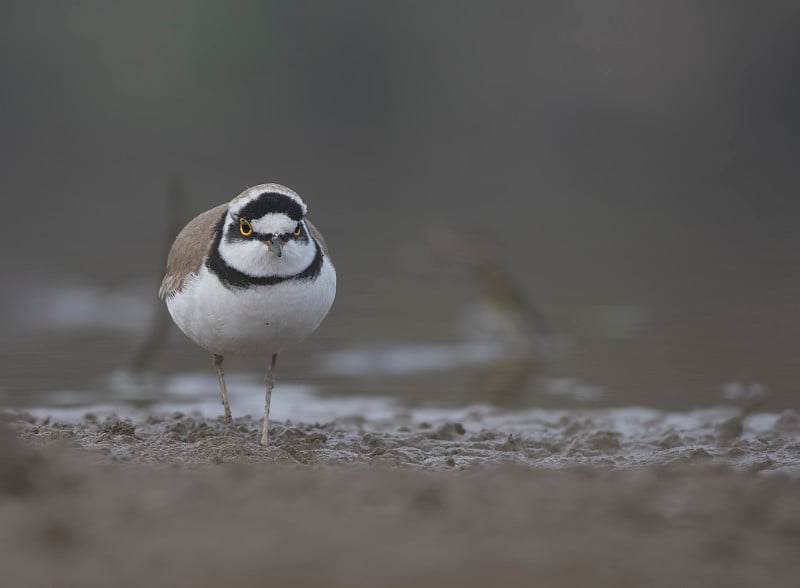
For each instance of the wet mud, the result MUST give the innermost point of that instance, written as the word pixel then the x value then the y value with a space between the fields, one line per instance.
pixel 181 500
pixel 441 439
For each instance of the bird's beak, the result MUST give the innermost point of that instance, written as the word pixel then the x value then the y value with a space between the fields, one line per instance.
pixel 274 244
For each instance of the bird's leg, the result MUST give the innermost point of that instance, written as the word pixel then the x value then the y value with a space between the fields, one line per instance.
pixel 223 391
pixel 270 381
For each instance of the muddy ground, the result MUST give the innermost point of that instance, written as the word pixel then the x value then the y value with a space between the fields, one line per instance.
pixel 176 500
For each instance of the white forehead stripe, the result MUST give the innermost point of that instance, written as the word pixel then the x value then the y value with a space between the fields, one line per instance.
pixel 275 223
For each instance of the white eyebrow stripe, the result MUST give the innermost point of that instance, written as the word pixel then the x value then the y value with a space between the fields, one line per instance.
pixel 275 223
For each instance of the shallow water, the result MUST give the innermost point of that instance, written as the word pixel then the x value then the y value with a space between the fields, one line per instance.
pixel 391 337
pixel 427 403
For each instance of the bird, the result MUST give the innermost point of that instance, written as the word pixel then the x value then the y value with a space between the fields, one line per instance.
pixel 250 277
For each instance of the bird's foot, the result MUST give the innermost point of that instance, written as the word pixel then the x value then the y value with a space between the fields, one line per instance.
pixel 228 425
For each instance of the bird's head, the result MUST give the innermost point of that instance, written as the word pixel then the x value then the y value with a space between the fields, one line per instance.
pixel 264 233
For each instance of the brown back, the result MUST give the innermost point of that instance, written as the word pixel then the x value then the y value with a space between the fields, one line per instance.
pixel 318 238
pixel 189 249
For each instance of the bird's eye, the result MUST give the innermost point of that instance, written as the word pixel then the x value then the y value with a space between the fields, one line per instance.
pixel 245 228
pixel 297 230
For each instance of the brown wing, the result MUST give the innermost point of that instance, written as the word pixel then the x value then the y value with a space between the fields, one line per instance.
pixel 189 249
pixel 318 238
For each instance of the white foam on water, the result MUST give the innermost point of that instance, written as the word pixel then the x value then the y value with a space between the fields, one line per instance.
pixel 129 395
pixel 406 359
pixel 50 302
pixel 199 392
pixel 572 388
pixel 415 358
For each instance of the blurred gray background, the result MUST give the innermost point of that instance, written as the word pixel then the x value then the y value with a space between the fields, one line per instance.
pixel 635 164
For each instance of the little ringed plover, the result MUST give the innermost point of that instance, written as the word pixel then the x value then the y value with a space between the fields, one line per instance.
pixel 250 277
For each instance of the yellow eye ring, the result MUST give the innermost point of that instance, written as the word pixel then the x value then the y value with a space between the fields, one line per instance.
pixel 245 228
pixel 297 231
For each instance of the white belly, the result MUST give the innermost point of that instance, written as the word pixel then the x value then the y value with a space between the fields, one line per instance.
pixel 260 320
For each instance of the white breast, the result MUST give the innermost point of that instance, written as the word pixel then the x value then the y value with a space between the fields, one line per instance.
pixel 259 320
